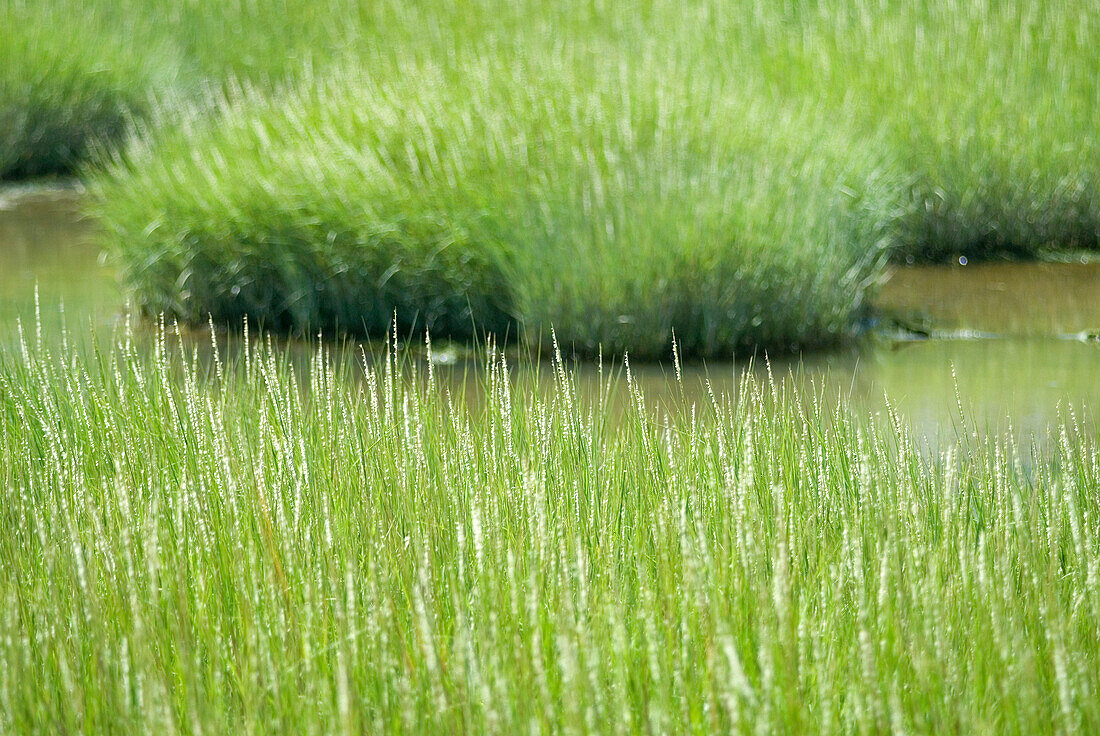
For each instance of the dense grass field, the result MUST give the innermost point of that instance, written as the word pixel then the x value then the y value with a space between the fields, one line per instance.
pixel 244 546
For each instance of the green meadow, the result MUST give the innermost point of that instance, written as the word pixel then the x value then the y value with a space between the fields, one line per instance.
pixel 356 547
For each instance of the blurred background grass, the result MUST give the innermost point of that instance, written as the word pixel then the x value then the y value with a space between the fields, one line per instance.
pixel 734 173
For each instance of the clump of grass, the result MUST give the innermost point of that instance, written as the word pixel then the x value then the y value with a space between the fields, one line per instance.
pixel 1010 166
pixel 1010 191
pixel 332 231
pixel 204 548
pixel 67 84
pixel 734 179
pixel 75 74
pixel 614 209
pixel 990 111
pixel 727 173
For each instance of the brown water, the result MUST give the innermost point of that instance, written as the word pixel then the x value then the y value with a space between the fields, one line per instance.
pixel 46 245
pixel 1019 349
pixel 1004 299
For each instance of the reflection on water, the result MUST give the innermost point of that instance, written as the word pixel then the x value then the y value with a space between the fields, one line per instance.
pixel 44 243
pixel 1029 374
pixel 1026 380
pixel 1007 299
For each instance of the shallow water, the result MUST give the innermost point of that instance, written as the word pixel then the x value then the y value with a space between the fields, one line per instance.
pixel 999 299
pixel 1032 362
pixel 46 245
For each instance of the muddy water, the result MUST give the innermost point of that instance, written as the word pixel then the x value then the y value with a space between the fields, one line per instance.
pixel 1013 342
pixel 999 299
pixel 46 246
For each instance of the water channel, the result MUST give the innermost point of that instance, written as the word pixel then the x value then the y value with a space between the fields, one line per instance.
pixel 1017 341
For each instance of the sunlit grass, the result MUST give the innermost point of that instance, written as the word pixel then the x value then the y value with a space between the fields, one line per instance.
pixel 242 547
pixel 66 84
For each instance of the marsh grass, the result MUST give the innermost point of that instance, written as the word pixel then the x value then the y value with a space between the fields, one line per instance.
pixel 735 177
pixel 76 75
pixel 67 84
pixel 212 549
pixel 615 211
pixel 732 173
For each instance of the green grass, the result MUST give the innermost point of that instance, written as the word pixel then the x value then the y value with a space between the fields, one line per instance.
pixel 76 74
pixel 616 211
pixel 245 547
pixel 991 110
pixel 67 83
pixel 730 173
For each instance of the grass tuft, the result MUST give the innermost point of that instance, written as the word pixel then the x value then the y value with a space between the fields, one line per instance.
pixel 520 209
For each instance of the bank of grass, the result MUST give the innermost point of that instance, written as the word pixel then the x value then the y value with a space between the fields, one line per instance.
pixel 1003 143
pixel 236 547
pixel 75 75
pixel 988 109
pixel 735 177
